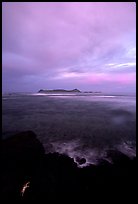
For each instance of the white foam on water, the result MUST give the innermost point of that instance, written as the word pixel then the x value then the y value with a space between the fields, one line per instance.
pixel 52 94
pixel 105 96
pixel 92 156
pixel 127 149
pixel 38 94
pixel 73 149
pixel 71 94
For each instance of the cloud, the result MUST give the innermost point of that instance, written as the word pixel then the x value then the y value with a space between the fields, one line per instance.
pixel 68 39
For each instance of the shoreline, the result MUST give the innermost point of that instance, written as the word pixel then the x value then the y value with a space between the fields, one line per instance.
pixel 24 160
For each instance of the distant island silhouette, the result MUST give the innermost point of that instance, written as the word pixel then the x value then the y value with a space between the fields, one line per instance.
pixel 59 91
pixel 65 91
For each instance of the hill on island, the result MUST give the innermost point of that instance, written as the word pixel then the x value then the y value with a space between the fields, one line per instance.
pixel 59 91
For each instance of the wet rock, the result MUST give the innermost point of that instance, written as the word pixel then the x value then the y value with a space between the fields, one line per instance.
pixel 80 161
pixel 48 177
pixel 21 156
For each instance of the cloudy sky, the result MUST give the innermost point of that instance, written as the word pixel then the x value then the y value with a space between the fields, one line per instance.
pixel 89 46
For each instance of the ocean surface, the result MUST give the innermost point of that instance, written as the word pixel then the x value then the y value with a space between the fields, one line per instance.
pixel 79 125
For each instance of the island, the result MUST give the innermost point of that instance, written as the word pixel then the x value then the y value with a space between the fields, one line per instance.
pixel 53 91
pixel 59 91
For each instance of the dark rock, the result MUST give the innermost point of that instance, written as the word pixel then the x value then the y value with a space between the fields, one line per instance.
pixel 21 155
pixel 53 176
pixel 40 91
pixel 117 157
pixel 80 161
pixel 24 145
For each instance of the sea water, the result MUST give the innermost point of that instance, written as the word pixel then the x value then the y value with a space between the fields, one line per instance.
pixel 79 125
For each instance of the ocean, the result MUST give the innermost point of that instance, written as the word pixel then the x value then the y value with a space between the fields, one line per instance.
pixel 79 125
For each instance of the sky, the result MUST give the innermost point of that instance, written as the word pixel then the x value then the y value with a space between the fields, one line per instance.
pixel 86 45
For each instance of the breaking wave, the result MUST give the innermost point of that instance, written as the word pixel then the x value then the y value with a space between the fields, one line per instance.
pixel 85 157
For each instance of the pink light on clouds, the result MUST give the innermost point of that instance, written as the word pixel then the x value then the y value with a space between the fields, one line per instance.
pixel 76 40
pixel 121 78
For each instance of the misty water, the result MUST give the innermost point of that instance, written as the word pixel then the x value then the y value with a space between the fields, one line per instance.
pixel 84 125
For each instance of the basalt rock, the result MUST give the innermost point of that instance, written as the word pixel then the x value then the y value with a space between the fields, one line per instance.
pixel 22 154
pixel 28 174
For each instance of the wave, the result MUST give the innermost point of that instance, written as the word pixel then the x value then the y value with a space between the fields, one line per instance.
pixel 72 94
pixel 105 96
pixel 86 157
pixel 5 98
pixel 52 94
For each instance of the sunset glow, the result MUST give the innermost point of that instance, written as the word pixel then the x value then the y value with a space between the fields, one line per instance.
pixel 85 45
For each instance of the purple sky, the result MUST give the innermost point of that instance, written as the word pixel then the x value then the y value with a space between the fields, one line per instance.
pixel 89 46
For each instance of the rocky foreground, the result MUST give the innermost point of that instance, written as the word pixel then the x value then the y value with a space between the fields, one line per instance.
pixel 28 174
